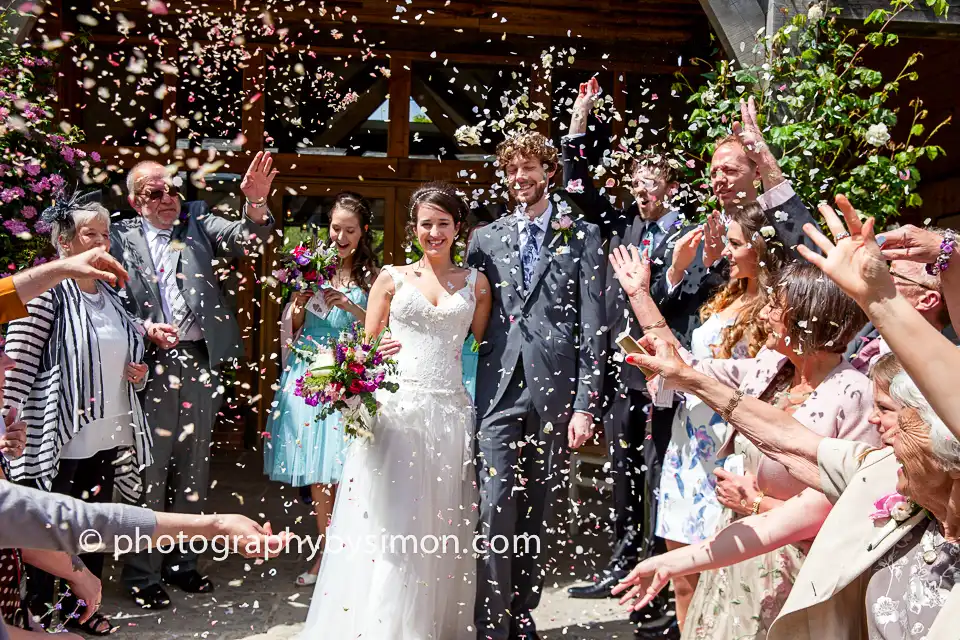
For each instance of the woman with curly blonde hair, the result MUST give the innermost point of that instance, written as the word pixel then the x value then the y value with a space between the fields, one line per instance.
pixel 688 511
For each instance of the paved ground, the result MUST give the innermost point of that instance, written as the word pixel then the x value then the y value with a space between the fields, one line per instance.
pixel 257 600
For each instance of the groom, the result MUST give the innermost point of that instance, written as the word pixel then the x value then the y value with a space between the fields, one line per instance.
pixel 538 378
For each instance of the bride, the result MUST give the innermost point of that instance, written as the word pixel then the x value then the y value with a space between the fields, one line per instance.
pixel 399 560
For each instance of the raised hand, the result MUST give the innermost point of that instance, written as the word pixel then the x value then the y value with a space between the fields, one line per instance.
pixel 583 105
pixel 910 243
pixel 713 239
pixel 855 263
pixel 748 130
pixel 256 182
pixel 685 252
pixel 644 583
pixel 633 271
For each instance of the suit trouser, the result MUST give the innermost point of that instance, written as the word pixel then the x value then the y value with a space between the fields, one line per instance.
pixel 630 424
pixel 181 410
pixel 90 480
pixel 521 476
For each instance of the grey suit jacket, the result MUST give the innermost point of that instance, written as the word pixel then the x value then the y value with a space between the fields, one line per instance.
pixel 557 328
pixel 205 237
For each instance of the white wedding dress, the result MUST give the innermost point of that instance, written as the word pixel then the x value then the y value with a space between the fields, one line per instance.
pixel 413 485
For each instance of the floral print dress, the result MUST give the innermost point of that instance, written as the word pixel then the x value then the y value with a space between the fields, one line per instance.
pixel 687 509
pixel 905 593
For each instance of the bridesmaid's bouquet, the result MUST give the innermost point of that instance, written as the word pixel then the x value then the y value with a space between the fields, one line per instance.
pixel 342 375
pixel 306 267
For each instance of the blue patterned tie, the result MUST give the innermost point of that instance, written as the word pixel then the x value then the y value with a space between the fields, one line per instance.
pixel 530 252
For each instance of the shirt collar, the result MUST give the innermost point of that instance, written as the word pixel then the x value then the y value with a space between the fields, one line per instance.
pixel 542 221
pixel 151 231
pixel 668 220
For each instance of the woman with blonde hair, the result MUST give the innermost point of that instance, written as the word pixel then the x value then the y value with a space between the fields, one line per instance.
pixel 688 510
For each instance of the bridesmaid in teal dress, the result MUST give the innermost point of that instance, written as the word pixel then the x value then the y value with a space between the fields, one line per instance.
pixel 299 449
pixel 470 354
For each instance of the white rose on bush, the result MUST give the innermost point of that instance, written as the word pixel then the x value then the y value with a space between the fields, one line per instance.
pixel 877 135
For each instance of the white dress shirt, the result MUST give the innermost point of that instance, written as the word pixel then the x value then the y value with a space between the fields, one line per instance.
pixel 158 249
pixel 542 221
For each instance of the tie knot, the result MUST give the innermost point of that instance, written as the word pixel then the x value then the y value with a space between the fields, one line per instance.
pixel 534 229
pixel 165 234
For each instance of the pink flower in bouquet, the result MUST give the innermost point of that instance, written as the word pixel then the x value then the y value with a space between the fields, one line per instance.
pixel 282 275
pixel 892 505
pixel 67 153
pixel 356 368
pixel 310 276
pixel 357 386
pixel 95 156
pixel 57 182
pixel 566 222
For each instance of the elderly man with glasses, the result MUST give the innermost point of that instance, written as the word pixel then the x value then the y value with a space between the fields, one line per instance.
pixel 924 293
pixel 172 253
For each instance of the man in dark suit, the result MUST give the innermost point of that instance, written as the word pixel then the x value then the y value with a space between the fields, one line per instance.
pixel 739 163
pixel 171 253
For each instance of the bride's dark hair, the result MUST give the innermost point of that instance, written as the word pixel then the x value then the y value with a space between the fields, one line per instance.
pixel 443 196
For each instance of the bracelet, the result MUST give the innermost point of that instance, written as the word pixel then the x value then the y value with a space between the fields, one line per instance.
pixel 659 323
pixel 947 246
pixel 756 504
pixel 734 401
pixel 257 203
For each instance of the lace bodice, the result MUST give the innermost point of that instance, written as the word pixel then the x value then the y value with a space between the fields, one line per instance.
pixel 431 336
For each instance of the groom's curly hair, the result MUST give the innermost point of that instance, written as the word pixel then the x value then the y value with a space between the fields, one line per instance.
pixel 531 144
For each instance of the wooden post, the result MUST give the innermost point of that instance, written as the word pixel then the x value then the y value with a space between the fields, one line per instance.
pixel 541 91
pixel 253 102
pixel 620 102
pixel 398 135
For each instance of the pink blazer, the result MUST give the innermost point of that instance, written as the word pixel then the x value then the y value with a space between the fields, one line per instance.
pixel 838 408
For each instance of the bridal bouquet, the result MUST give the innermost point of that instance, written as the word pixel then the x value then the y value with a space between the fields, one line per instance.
pixel 306 267
pixel 342 376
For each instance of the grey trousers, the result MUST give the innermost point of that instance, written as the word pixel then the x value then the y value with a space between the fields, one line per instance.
pixel 521 476
pixel 181 411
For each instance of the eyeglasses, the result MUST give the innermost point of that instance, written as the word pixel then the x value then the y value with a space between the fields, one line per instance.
pixel 154 195
pixel 911 281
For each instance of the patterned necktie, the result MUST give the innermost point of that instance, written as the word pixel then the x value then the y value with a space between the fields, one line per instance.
pixel 181 315
pixel 648 238
pixel 530 252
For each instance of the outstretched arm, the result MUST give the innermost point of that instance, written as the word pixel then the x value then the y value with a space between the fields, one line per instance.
pixel 799 518
pixel 858 267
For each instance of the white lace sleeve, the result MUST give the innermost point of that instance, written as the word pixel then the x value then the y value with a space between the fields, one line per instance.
pixel 472 284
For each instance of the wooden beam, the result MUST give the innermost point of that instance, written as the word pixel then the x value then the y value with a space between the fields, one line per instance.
pixel 254 85
pixel 171 53
pixel 398 136
pixel 736 23
pixel 441 113
pixel 541 92
pixel 344 123
pixel 651 67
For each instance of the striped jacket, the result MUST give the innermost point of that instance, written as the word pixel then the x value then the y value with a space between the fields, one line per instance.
pixel 57 386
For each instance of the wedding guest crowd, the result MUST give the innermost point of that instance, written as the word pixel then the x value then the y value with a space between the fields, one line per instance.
pixel 778 374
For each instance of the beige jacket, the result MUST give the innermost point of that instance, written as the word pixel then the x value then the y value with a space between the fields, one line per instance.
pixel 827 600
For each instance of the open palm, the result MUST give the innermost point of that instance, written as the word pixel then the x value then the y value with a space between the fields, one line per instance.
pixel 855 263
pixel 633 271
pixel 256 182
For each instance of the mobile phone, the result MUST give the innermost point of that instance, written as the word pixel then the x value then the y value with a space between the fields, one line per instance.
pixel 630 346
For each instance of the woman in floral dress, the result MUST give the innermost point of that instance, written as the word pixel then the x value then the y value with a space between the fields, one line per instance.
pixel 688 510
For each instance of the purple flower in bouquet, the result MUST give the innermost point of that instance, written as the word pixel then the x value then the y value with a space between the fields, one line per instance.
pixel 282 275
pixel 67 153
pixel 95 156
pixel 57 182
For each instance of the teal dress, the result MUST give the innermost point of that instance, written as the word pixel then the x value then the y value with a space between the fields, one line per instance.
pixel 301 450
pixel 470 361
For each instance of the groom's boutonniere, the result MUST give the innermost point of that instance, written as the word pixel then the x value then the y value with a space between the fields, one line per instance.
pixel 564 225
pixel 895 509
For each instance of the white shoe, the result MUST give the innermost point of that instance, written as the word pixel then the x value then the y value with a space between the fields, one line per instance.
pixel 306 579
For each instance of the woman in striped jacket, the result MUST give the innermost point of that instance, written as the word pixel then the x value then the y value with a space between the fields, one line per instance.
pixel 78 369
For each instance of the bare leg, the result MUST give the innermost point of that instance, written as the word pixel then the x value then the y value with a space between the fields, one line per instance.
pixel 323 496
pixel 683 588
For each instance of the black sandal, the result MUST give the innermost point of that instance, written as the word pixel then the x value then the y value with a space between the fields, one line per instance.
pixel 94 626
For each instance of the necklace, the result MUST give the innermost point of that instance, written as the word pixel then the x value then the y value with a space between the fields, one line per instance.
pixel 930 543
pixel 96 300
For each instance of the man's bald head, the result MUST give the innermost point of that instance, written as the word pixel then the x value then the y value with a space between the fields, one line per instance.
pixel 151 193
pixel 922 290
